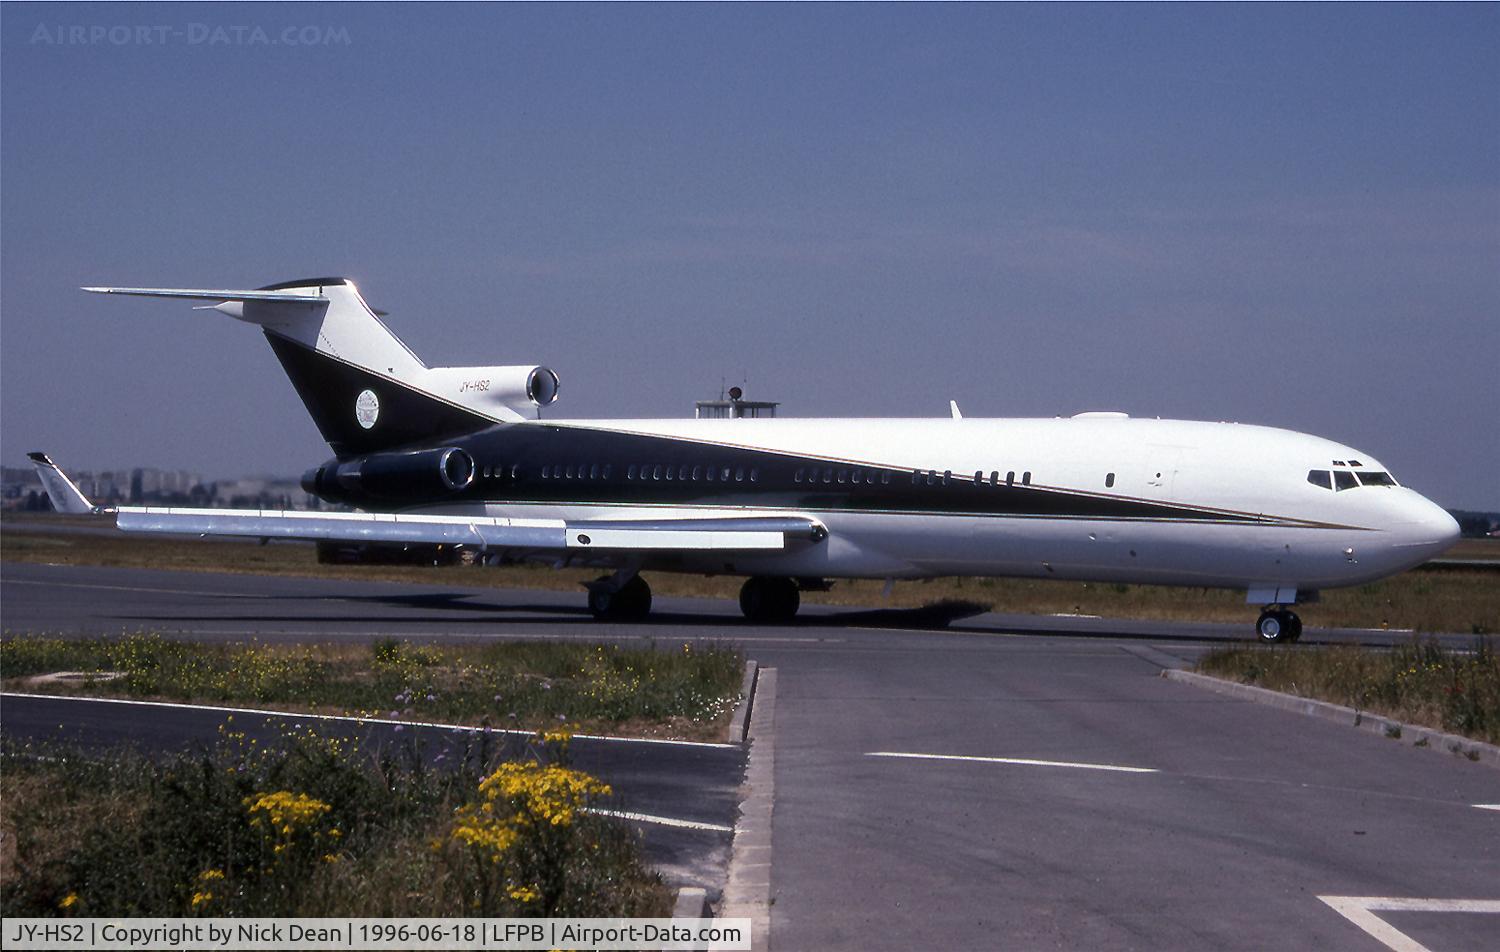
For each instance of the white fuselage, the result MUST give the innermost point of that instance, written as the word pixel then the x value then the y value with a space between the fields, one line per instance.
pixel 1251 517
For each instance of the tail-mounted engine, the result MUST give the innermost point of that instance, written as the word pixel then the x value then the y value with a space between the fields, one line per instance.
pixel 393 477
pixel 487 389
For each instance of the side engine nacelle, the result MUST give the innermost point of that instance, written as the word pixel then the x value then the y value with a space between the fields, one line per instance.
pixel 490 388
pixel 417 476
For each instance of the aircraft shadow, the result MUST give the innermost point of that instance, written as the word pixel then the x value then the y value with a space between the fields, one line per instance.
pixel 440 608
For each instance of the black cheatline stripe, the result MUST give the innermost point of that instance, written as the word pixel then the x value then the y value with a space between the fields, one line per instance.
pixel 408 417
pixel 1282 522
pixel 537 445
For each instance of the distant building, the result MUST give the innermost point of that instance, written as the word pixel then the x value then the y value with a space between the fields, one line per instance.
pixel 736 407
pixel 20 489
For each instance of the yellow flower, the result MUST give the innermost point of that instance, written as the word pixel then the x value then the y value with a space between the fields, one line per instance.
pixel 525 893
pixel 548 794
pixel 68 901
pixel 209 875
pixel 202 898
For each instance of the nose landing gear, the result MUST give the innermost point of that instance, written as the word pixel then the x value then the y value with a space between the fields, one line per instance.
pixel 1278 625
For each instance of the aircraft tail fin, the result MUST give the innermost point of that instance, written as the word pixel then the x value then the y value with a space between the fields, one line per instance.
pixel 66 497
pixel 365 389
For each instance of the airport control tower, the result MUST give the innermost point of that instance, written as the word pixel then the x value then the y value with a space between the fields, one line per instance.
pixel 735 407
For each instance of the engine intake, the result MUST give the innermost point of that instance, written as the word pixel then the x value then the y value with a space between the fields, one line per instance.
pixel 414 476
pixel 490 387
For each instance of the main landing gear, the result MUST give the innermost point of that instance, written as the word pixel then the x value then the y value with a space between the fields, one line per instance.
pixel 1278 625
pixel 615 599
pixel 770 599
pixel 625 597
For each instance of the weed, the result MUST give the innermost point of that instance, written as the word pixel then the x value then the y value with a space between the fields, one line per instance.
pixel 308 826
pixel 1418 682
pixel 686 691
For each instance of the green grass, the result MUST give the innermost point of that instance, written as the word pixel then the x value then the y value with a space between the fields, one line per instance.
pixel 307 826
pixel 682 692
pixel 1466 601
pixel 1419 682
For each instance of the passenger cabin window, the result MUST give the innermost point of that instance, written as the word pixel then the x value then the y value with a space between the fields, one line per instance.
pixel 1109 481
pixel 1026 478
pixel 1320 478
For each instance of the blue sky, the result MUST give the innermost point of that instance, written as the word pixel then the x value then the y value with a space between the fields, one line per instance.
pixel 1286 215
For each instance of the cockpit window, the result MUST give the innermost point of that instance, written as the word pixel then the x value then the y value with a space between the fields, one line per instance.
pixel 1341 479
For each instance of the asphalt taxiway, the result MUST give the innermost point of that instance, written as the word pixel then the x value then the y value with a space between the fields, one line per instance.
pixel 999 781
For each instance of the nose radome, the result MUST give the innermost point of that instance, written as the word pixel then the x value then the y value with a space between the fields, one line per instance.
pixel 1430 525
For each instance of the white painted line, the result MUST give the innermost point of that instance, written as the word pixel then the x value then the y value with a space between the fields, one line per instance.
pixel 1071 615
pixel 1022 761
pixel 662 820
pixel 351 719
pixel 1487 806
pixel 1361 910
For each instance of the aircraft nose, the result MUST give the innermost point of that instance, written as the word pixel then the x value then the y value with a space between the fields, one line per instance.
pixel 1426 526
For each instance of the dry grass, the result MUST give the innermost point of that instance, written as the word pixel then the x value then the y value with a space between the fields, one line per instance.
pixel 683 693
pixel 1417 683
pixel 1466 601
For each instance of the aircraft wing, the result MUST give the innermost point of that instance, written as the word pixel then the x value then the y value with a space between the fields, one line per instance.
pixel 720 533
pixel 488 532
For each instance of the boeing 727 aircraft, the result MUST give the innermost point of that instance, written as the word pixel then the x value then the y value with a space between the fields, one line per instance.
pixel 447 456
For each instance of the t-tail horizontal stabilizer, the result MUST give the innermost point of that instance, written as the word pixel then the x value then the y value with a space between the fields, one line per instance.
pixel 366 391
pixel 60 489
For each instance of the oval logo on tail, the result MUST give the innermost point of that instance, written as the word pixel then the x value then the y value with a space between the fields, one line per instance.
pixel 367 408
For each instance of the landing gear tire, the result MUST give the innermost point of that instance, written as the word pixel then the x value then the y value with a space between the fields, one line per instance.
pixel 1277 625
pixel 769 599
pixel 632 602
